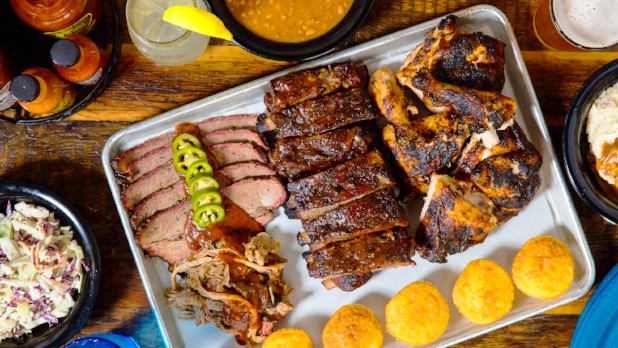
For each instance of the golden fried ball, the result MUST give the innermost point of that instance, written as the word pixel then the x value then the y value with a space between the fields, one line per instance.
pixel 288 338
pixel 543 268
pixel 418 314
pixel 484 292
pixel 353 326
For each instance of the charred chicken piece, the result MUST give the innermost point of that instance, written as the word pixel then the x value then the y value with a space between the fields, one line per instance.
pixel 428 145
pixel 297 87
pixel 320 115
pixel 472 60
pixel 362 255
pixel 378 211
pixel 390 98
pixel 455 216
pixel 295 157
pixel 480 110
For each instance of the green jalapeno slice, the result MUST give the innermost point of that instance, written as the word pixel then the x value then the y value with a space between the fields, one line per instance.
pixel 208 214
pixel 200 182
pixel 185 140
pixel 185 157
pixel 205 196
pixel 196 168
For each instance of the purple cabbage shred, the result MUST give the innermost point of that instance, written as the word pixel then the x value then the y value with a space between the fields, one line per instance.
pixel 86 267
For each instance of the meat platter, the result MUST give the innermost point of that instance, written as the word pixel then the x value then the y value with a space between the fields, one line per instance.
pixel 551 212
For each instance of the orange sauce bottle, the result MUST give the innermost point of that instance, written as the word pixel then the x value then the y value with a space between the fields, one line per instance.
pixel 78 59
pixel 6 74
pixel 59 18
pixel 40 91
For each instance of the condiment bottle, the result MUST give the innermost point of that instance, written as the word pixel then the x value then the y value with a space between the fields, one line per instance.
pixel 78 59
pixel 40 91
pixel 59 18
pixel 6 74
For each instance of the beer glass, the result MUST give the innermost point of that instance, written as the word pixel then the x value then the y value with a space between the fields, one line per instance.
pixel 575 25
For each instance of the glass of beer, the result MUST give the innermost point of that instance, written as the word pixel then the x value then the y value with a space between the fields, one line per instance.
pixel 576 25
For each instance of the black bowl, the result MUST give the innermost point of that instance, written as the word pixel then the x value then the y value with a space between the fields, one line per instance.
pixel 300 51
pixel 576 148
pixel 57 335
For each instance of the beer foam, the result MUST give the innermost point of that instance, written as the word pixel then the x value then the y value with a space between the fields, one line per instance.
pixel 590 23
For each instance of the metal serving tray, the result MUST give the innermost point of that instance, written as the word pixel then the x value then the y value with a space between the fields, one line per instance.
pixel 551 212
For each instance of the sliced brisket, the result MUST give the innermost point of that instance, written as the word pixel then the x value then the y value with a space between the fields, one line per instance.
pixel 256 196
pixel 158 201
pixel 234 136
pixel 121 163
pixel 213 124
pixel 149 161
pixel 237 152
pixel 165 225
pixel 157 179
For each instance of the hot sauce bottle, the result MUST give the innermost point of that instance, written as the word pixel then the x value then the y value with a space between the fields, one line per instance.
pixel 59 18
pixel 6 74
pixel 40 91
pixel 78 59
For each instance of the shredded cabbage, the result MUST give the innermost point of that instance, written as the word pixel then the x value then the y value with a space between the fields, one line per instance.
pixel 40 267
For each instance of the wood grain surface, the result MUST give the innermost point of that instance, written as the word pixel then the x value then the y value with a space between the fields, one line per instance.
pixel 66 156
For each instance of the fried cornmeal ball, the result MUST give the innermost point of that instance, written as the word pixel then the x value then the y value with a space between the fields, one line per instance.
pixel 288 338
pixel 484 292
pixel 543 268
pixel 353 326
pixel 418 314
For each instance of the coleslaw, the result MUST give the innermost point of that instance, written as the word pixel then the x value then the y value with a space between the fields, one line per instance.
pixel 40 269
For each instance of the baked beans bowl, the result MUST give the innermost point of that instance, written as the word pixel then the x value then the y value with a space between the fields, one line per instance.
pixel 577 157
pixel 324 28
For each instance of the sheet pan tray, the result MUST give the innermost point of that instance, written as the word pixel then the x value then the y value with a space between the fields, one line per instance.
pixel 551 212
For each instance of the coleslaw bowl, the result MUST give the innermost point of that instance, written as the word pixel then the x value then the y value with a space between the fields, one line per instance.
pixel 57 335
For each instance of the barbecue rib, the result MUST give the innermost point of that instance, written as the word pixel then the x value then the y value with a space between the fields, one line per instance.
pixel 295 157
pixel 367 253
pixel 480 110
pixel 378 211
pixel 322 192
pixel 295 88
pixel 348 282
pixel 455 216
pixel 320 115
pixel 390 98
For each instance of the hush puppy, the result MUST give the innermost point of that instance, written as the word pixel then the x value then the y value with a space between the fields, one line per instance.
pixel 484 292
pixel 353 326
pixel 288 338
pixel 418 314
pixel 543 268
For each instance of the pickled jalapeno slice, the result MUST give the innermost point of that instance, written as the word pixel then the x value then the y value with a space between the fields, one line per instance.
pixel 198 167
pixel 185 157
pixel 200 182
pixel 184 141
pixel 205 196
pixel 208 214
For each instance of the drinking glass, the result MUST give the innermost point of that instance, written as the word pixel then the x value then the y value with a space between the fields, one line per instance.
pixel 576 25
pixel 163 42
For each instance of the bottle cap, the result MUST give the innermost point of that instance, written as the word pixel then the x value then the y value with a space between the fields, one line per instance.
pixel 25 88
pixel 65 53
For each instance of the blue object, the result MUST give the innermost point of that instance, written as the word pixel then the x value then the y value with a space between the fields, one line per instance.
pixel 596 326
pixel 103 341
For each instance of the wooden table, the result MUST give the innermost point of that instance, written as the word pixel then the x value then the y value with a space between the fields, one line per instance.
pixel 66 156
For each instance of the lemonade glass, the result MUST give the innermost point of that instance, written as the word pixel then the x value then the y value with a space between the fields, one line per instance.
pixel 160 41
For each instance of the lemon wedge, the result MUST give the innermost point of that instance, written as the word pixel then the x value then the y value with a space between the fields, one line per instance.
pixel 195 19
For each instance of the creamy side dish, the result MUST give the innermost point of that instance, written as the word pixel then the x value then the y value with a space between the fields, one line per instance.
pixel 40 269
pixel 602 129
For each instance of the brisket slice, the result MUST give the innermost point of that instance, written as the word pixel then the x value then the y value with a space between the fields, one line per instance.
pixel 378 211
pixel 237 152
pixel 143 187
pixel 266 218
pixel 367 253
pixel 295 157
pixel 294 88
pixel 165 225
pixel 149 161
pixel 325 191
pixel 320 115
pixel 234 136
pixel 256 196
pixel 213 124
pixel 235 172
pixel 160 200
pixel 170 250
pixel 121 163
